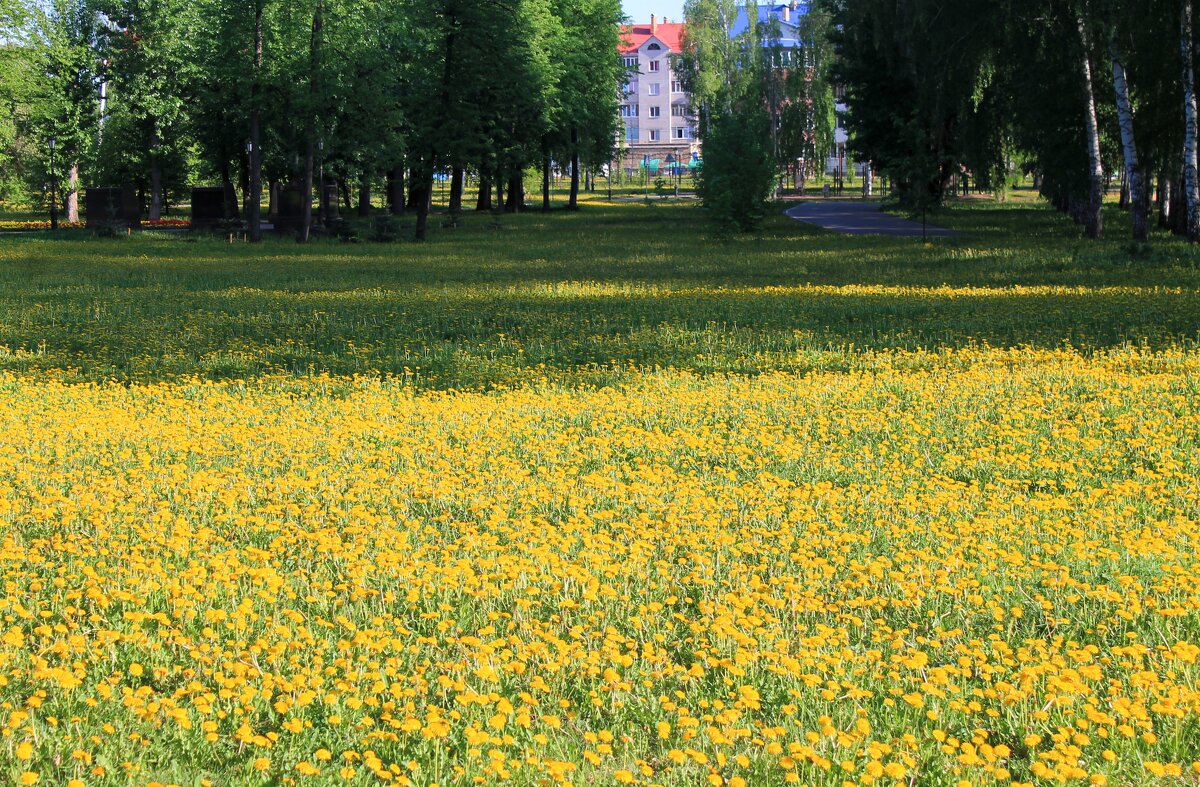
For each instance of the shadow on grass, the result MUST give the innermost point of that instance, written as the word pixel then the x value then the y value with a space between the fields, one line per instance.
pixel 573 295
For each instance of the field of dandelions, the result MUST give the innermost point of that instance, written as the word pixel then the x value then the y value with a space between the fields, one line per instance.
pixel 595 499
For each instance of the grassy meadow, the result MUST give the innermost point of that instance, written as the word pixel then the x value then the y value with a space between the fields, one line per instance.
pixel 598 498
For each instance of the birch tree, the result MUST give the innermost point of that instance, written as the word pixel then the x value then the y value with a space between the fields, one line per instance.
pixel 1094 217
pixel 1191 184
pixel 1133 168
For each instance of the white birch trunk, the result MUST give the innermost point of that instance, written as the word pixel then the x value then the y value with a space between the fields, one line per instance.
pixel 1133 168
pixel 72 197
pixel 1191 188
pixel 1094 219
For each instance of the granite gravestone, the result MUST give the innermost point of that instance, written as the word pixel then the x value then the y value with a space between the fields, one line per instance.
pixel 108 208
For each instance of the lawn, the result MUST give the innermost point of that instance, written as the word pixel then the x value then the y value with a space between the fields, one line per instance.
pixel 599 498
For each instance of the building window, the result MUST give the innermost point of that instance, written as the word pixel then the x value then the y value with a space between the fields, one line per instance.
pixel 679 110
pixel 677 86
pixel 681 133
pixel 631 62
pixel 629 110
pixel 631 134
pixel 654 86
pixel 655 112
pixel 654 64
pixel 655 135
pixel 653 48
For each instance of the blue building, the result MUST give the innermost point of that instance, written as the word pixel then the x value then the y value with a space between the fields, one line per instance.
pixel 787 18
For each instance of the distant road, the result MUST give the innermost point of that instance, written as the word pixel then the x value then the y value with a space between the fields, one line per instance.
pixel 860 217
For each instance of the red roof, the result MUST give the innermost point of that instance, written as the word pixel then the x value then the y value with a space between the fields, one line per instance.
pixel 669 33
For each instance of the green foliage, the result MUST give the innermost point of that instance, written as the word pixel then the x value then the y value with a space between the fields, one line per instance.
pixel 806 108
pixel 914 75
pixel 729 78
pixel 739 171
pixel 16 73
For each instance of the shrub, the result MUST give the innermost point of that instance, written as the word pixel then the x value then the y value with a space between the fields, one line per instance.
pixel 738 176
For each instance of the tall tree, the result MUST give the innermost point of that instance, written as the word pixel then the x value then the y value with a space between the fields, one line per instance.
pixel 65 95
pixel 1191 145
pixel 727 77
pixel 591 70
pixel 1133 167
pixel 1094 218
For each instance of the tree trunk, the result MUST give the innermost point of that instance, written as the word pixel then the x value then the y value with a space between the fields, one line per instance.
pixel 485 193
pixel 254 186
pixel 1164 202
pixel 422 193
pixel 71 198
pixel 516 193
pixel 573 201
pixel 456 190
pixel 414 187
pixel 395 190
pixel 1191 177
pixel 364 194
pixel 1133 168
pixel 1178 207
pixel 314 71
pixel 306 193
pixel 546 184
pixel 1094 217
pixel 156 197
pixel 272 200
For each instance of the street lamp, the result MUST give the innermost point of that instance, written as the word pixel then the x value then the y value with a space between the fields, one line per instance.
pixel 322 199
pixel 53 187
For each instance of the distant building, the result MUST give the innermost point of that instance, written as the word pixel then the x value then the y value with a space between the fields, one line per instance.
pixel 655 110
pixel 789 15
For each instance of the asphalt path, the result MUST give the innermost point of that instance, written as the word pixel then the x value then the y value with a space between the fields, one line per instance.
pixel 861 217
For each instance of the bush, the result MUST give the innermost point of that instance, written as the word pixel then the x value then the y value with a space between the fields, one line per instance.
pixel 738 177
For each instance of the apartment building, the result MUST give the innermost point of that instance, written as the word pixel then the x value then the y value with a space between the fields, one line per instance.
pixel 659 126
pixel 655 109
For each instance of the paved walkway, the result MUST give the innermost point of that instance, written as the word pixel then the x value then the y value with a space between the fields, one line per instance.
pixel 861 217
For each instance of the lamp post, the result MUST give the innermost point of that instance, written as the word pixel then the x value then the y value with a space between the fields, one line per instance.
pixel 53 187
pixel 322 202
pixel 249 179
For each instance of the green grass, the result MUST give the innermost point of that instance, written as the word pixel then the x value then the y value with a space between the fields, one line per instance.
pixel 581 298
